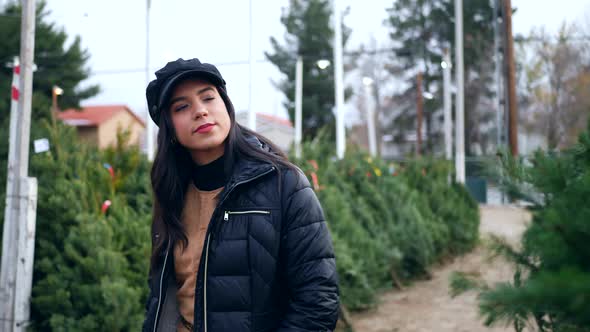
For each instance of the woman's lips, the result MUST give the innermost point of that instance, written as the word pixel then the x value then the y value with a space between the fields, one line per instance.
pixel 205 128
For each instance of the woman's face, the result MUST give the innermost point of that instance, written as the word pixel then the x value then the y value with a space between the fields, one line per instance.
pixel 200 119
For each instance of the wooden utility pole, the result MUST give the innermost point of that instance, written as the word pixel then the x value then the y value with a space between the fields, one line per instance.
pixel 510 78
pixel 18 241
pixel 420 111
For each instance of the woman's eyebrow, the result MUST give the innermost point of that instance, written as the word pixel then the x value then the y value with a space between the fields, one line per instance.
pixel 179 98
pixel 204 90
pixel 175 99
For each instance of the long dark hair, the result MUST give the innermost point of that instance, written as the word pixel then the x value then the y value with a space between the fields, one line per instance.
pixel 172 172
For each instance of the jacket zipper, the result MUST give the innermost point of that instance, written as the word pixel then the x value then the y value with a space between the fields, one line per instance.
pixel 227 213
pixel 205 283
pixel 161 282
pixel 207 247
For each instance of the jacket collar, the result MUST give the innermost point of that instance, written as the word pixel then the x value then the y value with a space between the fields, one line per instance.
pixel 245 170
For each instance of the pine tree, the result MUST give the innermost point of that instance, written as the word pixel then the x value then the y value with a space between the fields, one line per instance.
pixel 310 35
pixel 90 265
pixel 550 289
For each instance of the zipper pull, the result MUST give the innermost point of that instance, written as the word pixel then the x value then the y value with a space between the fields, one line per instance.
pixel 226 216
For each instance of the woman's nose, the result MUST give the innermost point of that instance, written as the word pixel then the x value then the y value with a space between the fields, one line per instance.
pixel 199 112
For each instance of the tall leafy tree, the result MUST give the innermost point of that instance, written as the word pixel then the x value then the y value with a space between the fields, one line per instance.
pixel 420 30
pixel 310 35
pixel 555 78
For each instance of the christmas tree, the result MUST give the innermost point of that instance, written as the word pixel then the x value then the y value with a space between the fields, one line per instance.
pixel 550 290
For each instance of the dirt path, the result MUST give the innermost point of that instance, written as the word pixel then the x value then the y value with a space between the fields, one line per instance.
pixel 427 307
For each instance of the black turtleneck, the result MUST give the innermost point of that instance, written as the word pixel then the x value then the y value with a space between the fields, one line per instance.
pixel 210 176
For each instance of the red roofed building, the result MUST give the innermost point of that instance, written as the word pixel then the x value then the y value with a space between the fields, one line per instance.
pixel 99 124
pixel 279 130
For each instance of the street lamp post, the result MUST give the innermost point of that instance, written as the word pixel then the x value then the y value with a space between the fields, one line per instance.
pixel 298 100
pixel 419 111
pixel 322 64
pixel 338 81
pixel 459 109
pixel 55 91
pixel 251 112
pixel 150 128
pixel 446 66
pixel 370 106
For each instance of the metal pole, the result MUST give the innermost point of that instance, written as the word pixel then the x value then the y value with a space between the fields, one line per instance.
pixel 447 101
pixel 419 111
pixel 371 119
pixel 251 112
pixel 150 124
pixel 339 81
pixel 460 104
pixel 509 60
pixel 298 101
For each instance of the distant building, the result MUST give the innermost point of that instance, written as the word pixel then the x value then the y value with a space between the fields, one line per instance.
pixel 99 124
pixel 279 130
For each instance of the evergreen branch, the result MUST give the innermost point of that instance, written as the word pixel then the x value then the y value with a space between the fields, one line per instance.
pixel 500 248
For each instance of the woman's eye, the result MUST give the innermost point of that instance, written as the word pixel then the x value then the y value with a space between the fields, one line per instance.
pixel 180 107
pixel 209 98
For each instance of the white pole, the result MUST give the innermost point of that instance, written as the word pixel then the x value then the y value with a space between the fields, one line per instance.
pixel 26 85
pixel 447 105
pixel 460 110
pixel 338 82
pixel 498 84
pixel 298 101
pixel 10 232
pixel 27 194
pixel 370 104
pixel 251 112
pixel 26 252
pixel 14 304
pixel 150 124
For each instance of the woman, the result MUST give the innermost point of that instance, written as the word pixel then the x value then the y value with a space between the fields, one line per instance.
pixel 239 241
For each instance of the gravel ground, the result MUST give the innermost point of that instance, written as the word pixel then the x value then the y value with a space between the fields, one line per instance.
pixel 426 306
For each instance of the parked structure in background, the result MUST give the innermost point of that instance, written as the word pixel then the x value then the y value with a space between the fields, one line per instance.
pixel 99 124
pixel 279 130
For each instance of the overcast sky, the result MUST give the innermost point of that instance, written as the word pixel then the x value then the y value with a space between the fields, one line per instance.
pixel 114 33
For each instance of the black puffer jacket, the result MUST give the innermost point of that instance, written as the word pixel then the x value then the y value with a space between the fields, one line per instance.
pixel 267 262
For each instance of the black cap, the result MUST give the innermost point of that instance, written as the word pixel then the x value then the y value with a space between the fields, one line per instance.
pixel 158 91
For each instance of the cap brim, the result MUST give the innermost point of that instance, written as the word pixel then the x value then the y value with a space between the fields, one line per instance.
pixel 167 89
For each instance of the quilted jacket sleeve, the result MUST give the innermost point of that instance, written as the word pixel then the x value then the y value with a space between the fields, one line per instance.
pixel 307 257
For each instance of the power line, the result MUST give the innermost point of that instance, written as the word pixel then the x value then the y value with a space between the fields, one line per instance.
pixel 521 39
pixel 240 62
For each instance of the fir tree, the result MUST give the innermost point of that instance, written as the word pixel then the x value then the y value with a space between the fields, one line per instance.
pixel 550 290
pixel 90 266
